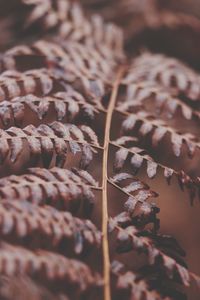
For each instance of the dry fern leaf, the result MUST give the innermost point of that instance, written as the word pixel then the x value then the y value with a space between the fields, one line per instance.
pixel 144 125
pixel 23 288
pixel 176 77
pixel 87 58
pixel 43 82
pixel 17 260
pixel 69 106
pixel 91 71
pixel 136 190
pixel 167 267
pixel 81 60
pixel 138 95
pixel 14 84
pixel 138 211
pixel 47 227
pixel 130 238
pixel 60 188
pixel 46 140
pixel 69 20
pixel 134 233
pixel 137 158
pixel 128 284
pixel 150 131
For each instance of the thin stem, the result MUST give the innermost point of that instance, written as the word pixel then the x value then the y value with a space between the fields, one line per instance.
pixel 107 293
pixel 120 189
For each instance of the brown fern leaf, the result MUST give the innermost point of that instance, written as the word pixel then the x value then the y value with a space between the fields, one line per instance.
pixel 47 227
pixel 139 158
pixel 133 235
pixel 49 266
pixel 175 76
pixel 23 288
pixel 69 105
pixel 129 284
pixel 68 67
pixel 162 251
pixel 70 21
pixel 137 210
pixel 138 191
pixel 45 81
pixel 13 83
pixel 82 60
pixel 46 140
pixel 138 95
pixel 130 238
pixel 60 188
pixel 146 124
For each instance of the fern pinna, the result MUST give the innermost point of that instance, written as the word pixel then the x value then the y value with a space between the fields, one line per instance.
pixel 94 118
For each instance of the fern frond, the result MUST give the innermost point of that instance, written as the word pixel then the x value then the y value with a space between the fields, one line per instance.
pixel 49 266
pixel 69 19
pixel 130 238
pixel 179 79
pixel 23 288
pixel 46 140
pixel 45 81
pixel 82 60
pixel 69 105
pixel 144 125
pixel 130 285
pixel 60 188
pixel 138 95
pixel 137 210
pixel 162 251
pixel 69 67
pixel 14 84
pixel 139 158
pixel 135 189
pixel 47 227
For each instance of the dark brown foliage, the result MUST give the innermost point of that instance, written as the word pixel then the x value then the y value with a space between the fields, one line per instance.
pixel 22 288
pixel 175 76
pixel 17 260
pixel 46 140
pixel 147 124
pixel 69 105
pixel 129 285
pixel 165 257
pixel 60 188
pixel 47 226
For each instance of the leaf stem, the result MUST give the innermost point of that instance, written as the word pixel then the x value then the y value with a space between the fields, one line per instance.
pixel 107 293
